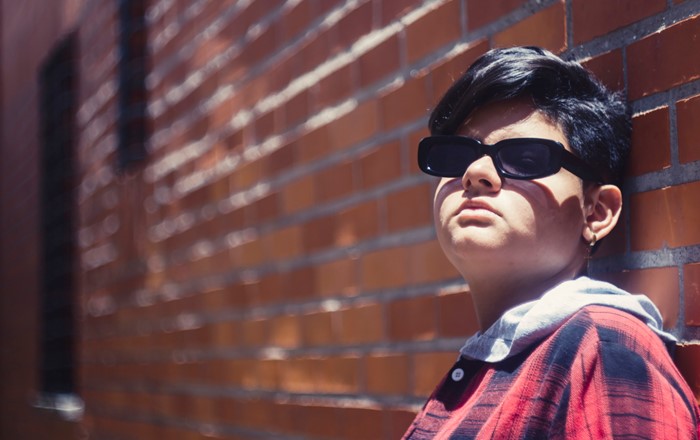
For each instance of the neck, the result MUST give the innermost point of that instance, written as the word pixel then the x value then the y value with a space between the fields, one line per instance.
pixel 492 298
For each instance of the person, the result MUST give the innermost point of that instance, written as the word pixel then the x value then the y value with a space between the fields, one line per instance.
pixel 530 150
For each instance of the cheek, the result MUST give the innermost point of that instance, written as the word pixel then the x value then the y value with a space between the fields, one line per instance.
pixel 550 210
pixel 559 215
pixel 447 195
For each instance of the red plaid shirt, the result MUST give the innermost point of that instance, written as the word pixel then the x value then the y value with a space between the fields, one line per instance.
pixel 603 374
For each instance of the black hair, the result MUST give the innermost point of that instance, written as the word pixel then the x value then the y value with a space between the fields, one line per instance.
pixel 595 120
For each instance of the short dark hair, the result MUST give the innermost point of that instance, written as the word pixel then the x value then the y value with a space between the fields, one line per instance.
pixel 595 120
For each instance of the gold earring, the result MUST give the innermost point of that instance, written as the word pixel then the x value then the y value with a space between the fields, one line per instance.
pixel 593 242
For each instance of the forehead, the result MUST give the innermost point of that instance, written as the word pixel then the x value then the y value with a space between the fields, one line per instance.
pixel 511 119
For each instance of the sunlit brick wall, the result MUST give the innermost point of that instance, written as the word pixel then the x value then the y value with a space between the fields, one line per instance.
pixel 270 270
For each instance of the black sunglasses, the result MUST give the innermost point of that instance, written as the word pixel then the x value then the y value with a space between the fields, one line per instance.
pixel 518 158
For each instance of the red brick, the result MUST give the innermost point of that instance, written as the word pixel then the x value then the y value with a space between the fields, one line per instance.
pixel 660 284
pixel 254 332
pixel 317 329
pixel 354 25
pixel 448 71
pixel 337 277
pixel 687 115
pixel 358 125
pixel 262 47
pixel 335 182
pixel 387 374
pixel 395 9
pixel 665 217
pixel 651 142
pixel 256 413
pixel 298 195
pixel 362 324
pixel 326 6
pixel 380 165
pixel 316 51
pixel 384 268
pixel 318 233
pixel 239 372
pixel 284 69
pixel 437 28
pixel 413 140
pixel 687 358
pixel 405 104
pixel 410 208
pixel 284 243
pixel 456 315
pixel 413 319
pixel 608 69
pixel 265 125
pixel 335 87
pixel 660 61
pixel 314 144
pixel 296 20
pixel 248 254
pixel 297 109
pixel 247 175
pixel 319 421
pixel 593 18
pixel 299 375
pixel 361 423
pixel 399 422
pixel 380 61
pixel 339 375
pixel 209 49
pixel 300 284
pixel 480 13
pixel 225 334
pixel 235 140
pixel 429 369
pixel 264 209
pixel 285 331
pixel 356 223
pixel 281 160
pixel 546 28
pixel 691 291
pixel 429 264
pixel 616 242
pixel 252 14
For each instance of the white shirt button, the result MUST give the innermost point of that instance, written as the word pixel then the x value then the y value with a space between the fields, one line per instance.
pixel 457 374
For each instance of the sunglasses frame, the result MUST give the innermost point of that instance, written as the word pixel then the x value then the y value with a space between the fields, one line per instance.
pixel 565 158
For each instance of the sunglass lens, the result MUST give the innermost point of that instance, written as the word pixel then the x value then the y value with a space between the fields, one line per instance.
pixel 526 160
pixel 450 159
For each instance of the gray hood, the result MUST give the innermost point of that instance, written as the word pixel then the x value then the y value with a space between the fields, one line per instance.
pixel 528 323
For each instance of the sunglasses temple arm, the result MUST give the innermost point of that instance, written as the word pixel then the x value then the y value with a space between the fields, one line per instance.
pixel 580 168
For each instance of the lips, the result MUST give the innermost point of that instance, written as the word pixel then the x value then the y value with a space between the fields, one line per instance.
pixel 473 206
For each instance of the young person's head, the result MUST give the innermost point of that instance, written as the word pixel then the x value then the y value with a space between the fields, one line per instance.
pixel 509 212
pixel 595 120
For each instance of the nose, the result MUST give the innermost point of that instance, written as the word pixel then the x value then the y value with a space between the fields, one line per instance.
pixel 482 176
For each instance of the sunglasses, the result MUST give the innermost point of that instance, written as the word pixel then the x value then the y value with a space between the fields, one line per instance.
pixel 518 158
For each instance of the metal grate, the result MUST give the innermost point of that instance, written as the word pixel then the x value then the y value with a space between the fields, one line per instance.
pixel 58 94
pixel 133 117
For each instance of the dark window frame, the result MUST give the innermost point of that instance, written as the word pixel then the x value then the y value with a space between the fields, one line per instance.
pixel 133 131
pixel 58 94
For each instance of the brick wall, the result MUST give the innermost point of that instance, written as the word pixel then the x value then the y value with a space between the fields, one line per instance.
pixel 270 269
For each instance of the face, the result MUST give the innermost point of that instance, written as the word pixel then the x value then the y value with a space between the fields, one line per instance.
pixel 492 226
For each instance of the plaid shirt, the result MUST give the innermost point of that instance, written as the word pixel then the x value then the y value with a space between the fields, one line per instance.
pixel 602 374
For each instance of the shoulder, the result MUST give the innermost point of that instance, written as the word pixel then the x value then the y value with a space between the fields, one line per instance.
pixel 618 340
pixel 626 353
pixel 608 324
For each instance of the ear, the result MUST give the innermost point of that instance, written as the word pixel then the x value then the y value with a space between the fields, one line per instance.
pixel 603 205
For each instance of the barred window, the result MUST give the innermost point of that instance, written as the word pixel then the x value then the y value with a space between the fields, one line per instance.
pixel 133 126
pixel 58 95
